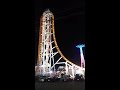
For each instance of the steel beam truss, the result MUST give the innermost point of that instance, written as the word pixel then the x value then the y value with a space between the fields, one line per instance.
pixel 47 44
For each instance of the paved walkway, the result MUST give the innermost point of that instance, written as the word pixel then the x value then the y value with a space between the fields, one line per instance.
pixel 60 85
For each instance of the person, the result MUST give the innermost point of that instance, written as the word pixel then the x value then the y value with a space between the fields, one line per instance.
pixel 62 77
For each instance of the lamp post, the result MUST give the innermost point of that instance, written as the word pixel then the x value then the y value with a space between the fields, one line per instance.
pixel 81 55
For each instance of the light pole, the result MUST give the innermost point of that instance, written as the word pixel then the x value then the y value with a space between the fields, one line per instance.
pixel 81 55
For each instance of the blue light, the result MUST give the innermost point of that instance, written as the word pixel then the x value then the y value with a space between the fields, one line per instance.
pixel 82 62
pixel 80 46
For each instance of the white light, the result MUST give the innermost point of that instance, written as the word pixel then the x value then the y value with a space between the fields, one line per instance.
pixel 80 71
pixel 51 72
pixel 42 65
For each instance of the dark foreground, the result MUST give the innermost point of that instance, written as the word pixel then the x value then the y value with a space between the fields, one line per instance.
pixel 60 85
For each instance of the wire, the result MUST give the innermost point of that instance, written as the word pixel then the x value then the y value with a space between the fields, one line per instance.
pixel 79 13
pixel 66 10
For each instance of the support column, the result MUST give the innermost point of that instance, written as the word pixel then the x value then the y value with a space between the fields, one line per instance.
pixel 66 68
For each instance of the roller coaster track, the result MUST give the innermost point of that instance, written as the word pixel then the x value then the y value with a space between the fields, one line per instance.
pixel 56 45
pixel 43 37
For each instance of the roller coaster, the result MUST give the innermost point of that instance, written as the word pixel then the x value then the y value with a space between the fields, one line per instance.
pixel 48 63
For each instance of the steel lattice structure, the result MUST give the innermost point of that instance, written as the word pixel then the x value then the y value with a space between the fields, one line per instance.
pixel 47 43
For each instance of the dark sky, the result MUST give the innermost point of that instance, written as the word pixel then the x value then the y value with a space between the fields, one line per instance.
pixel 69 26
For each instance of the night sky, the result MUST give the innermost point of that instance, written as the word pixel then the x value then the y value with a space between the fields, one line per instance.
pixel 69 26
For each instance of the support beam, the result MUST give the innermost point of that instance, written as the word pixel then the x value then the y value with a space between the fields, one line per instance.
pixel 56 62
